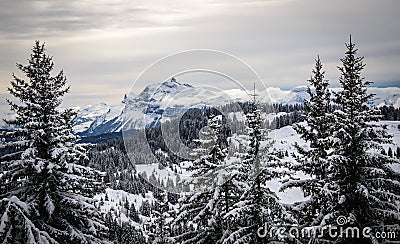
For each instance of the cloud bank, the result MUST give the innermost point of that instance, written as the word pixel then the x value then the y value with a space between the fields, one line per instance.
pixel 104 45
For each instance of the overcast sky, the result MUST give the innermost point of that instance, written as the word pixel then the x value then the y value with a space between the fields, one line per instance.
pixel 103 46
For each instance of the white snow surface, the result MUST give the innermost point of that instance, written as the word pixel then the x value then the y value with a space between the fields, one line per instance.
pixel 116 198
pixel 284 139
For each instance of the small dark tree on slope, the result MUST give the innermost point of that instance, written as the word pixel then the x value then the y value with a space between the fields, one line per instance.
pixel 133 213
pixel 45 189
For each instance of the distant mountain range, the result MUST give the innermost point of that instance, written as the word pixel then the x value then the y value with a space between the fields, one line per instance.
pixel 163 101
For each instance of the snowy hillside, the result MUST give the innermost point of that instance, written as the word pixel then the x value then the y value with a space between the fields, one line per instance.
pixel 161 102
pixel 117 202
pixel 284 138
pixel 114 201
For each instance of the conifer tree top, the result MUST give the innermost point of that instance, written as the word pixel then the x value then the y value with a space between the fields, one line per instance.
pixel 44 183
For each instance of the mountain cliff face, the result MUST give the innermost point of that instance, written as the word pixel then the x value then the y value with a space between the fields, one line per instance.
pixel 163 101
pixel 156 103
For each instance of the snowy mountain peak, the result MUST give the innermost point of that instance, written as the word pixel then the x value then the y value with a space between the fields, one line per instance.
pixel 172 83
pixel 166 100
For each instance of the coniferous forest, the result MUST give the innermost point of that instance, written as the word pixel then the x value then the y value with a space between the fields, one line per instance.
pixel 57 187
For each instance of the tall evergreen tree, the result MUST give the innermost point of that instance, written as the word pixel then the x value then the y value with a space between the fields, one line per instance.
pixel 257 206
pixel 368 187
pixel 313 159
pixel 45 188
pixel 204 207
pixel 161 231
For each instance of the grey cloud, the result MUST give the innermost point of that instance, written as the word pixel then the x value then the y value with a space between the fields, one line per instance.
pixel 24 19
pixel 103 46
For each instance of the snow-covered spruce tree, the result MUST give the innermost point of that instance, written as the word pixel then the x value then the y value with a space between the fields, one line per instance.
pixel 204 207
pixel 368 187
pixel 258 206
pixel 313 159
pixel 45 189
pixel 161 230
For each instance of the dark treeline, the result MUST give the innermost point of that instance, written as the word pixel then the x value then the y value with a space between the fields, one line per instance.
pixel 390 113
pixel 111 158
pixel 188 128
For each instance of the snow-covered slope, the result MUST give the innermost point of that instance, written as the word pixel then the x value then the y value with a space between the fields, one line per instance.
pixel 114 202
pixel 386 96
pixel 163 101
pixel 88 115
pixel 285 138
